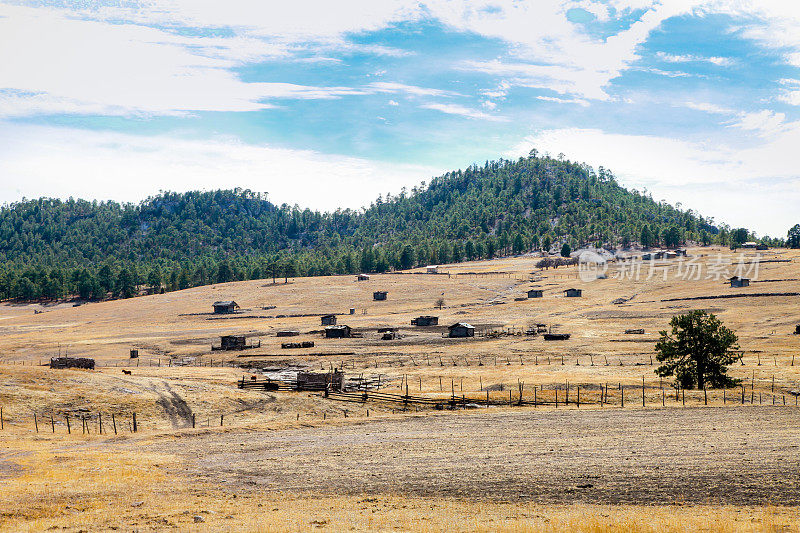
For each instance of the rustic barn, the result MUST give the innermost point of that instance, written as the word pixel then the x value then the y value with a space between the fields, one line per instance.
pixel 223 308
pixel 681 252
pixel 328 320
pixel 462 329
pixel 379 295
pixel 362 277
pixel 750 244
pixel 72 362
pixel 573 293
pixel 736 281
pixel 425 320
pixel 535 293
pixel 287 333
pixel 134 353
pixel 762 247
pixel 338 332
pixel 432 269
pixel 314 381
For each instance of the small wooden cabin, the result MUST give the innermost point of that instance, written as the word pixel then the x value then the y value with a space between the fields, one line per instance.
pixel 362 277
pixel 432 269
pixel 227 307
pixel 556 336
pixel 535 293
pixel 338 332
pixel 388 333
pixel 425 320
pixel 233 342
pixel 328 320
pixel 737 282
pixel 573 293
pixel 379 295
pixel 797 329
pixel 287 333
pixel 462 329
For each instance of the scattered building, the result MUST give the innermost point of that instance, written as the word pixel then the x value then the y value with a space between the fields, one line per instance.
pixel 573 293
pixel 304 344
pixel 338 332
pixel 232 342
pixel 556 336
pixel 379 295
pixel 797 329
pixel 634 331
pixel 388 333
pixel 72 362
pixel 134 353
pixel 762 247
pixel 425 320
pixel 287 333
pixel 223 308
pixel 320 381
pixel 682 252
pixel 737 282
pixel 432 269
pixel 535 293
pixel 328 320
pixel 750 244
pixel 462 329
pixel 362 277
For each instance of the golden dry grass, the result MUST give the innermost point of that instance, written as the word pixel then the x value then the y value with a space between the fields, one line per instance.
pixel 77 481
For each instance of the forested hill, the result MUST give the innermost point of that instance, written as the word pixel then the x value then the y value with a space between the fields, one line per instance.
pixel 52 248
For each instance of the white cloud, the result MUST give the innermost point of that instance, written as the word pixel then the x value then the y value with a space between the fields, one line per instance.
pixel 578 101
pixel 756 186
pixel 764 122
pixel 391 87
pixel 455 109
pixel 689 58
pixel 60 162
pixel 393 103
pixel 709 108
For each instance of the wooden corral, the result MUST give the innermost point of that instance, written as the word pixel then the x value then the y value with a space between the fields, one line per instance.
pixel 72 362
pixel 312 381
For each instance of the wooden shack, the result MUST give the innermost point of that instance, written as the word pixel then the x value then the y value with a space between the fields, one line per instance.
pixel 432 269
pixel 535 293
pixel 737 282
pixel 287 333
pixel 461 329
pixel 72 362
pixel 233 342
pixel 573 293
pixel 379 295
pixel 797 329
pixel 338 332
pixel 362 277
pixel 226 307
pixel 313 381
pixel 328 320
pixel 425 320
pixel 134 353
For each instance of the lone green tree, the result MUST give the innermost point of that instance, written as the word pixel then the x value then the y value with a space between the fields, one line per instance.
pixel 697 351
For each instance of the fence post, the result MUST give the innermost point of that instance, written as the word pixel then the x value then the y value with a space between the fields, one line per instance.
pixel 192 420
pixel 100 421
pixel 2 424
pixel 221 418
pixel 35 422
pixel 705 395
pixel 621 395
pixel 135 427
pixel 642 391
pixel 52 423
pixel 578 401
pixel 114 423
pixel 69 431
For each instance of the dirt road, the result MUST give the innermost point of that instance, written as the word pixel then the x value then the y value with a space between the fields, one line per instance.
pixel 700 455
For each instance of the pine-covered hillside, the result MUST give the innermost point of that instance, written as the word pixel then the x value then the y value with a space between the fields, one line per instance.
pixel 53 248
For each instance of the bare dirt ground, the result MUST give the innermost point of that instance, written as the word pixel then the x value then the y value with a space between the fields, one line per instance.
pixel 743 456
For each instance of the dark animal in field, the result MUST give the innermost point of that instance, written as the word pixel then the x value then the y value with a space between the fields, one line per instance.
pixel 128 372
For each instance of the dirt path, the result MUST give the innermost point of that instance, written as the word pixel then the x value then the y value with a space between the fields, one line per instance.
pixel 733 455
pixel 175 407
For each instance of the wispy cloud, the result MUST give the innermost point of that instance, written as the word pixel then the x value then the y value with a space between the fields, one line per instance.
pixel 691 58
pixel 455 109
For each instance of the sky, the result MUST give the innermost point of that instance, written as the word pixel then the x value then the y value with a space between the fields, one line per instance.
pixel 331 104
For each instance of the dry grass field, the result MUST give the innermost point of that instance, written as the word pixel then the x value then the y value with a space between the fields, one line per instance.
pixel 299 461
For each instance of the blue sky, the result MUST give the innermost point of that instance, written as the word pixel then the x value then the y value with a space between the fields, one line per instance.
pixel 329 104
